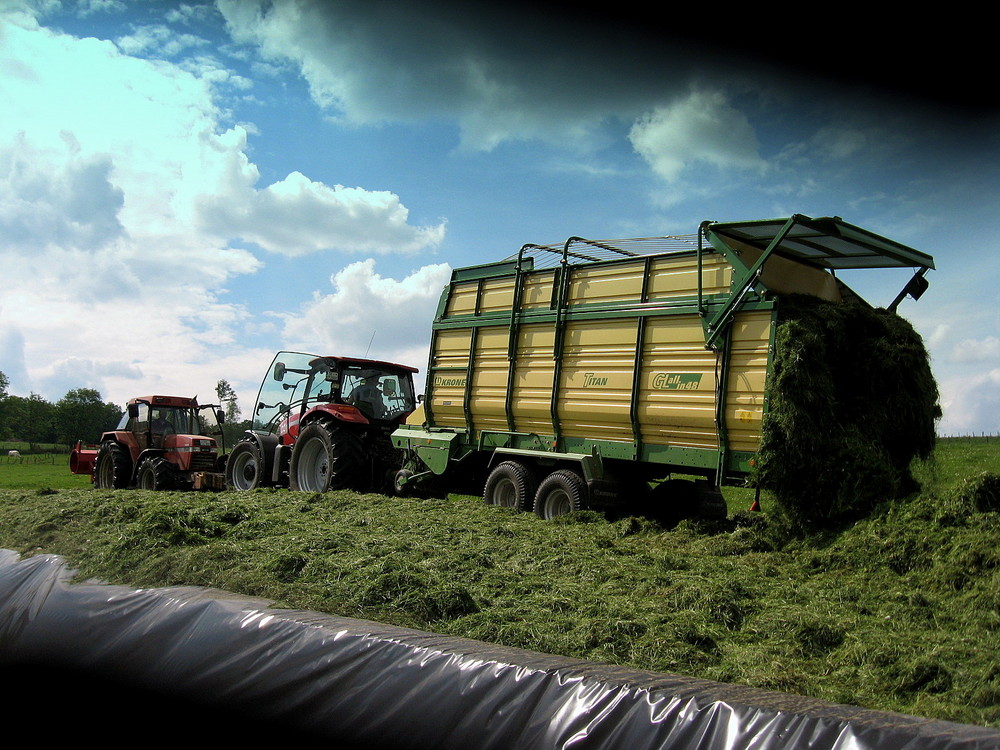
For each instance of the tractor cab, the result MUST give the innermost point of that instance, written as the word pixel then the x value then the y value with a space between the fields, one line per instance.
pixel 351 390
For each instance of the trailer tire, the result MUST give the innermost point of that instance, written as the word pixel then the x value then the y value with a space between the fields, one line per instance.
pixel 325 457
pixel 510 485
pixel 245 468
pixel 155 474
pixel 112 467
pixel 561 492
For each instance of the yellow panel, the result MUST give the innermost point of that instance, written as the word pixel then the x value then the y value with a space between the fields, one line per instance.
pixel 532 388
pixel 462 298
pixel 497 294
pixel 595 388
pixel 747 378
pixel 451 351
pixel 489 379
pixel 615 282
pixel 677 392
pixel 678 277
pixel 537 291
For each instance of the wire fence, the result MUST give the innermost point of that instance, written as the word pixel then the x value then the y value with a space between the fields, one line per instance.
pixel 970 437
pixel 33 458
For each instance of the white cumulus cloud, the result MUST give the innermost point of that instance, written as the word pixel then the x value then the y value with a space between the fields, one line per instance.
pixel 297 216
pixel 701 128
pixel 126 200
pixel 365 309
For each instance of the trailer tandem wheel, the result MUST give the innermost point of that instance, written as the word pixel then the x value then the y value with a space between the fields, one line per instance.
pixel 561 492
pixel 511 485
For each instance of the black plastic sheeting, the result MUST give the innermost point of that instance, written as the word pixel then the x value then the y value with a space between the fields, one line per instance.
pixel 186 664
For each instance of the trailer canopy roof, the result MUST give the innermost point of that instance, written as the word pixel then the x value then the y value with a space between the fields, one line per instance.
pixel 827 242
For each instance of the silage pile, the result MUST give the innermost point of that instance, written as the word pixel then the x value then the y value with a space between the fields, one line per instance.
pixel 852 403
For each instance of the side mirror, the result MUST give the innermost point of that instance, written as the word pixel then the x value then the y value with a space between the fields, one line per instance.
pixel 279 371
pixel 220 416
pixel 133 411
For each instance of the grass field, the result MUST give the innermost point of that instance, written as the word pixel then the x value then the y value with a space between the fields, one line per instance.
pixel 900 611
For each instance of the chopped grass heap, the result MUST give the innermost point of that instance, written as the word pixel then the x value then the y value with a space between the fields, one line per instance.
pixel 852 403
pixel 899 611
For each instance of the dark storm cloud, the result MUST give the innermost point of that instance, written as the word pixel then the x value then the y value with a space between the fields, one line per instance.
pixel 501 70
pixel 510 69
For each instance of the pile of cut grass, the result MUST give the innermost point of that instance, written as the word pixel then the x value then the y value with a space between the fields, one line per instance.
pixel 852 403
pixel 898 611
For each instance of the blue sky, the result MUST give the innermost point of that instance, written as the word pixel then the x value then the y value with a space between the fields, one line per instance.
pixel 186 188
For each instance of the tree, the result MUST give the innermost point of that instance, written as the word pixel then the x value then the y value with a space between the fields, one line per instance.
pixel 5 432
pixel 227 397
pixel 233 428
pixel 80 415
pixel 29 419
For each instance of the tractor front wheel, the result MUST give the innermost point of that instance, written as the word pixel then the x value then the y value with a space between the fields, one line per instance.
pixel 326 457
pixel 245 469
pixel 156 474
pixel 112 467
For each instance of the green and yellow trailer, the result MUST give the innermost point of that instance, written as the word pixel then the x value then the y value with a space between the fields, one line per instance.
pixel 595 374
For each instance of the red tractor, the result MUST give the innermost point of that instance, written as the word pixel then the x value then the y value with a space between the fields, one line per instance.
pixel 161 443
pixel 323 423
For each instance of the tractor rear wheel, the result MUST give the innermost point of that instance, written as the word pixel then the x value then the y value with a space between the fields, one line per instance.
pixel 510 485
pixel 112 467
pixel 155 474
pixel 326 457
pixel 244 468
pixel 561 492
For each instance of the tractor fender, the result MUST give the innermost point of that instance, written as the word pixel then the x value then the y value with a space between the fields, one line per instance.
pixel 340 412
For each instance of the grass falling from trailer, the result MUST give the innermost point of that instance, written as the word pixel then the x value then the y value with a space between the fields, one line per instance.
pixel 852 402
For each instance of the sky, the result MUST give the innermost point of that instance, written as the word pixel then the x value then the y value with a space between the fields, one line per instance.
pixel 187 188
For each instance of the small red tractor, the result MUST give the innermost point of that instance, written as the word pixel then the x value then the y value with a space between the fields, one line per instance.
pixel 161 443
pixel 324 423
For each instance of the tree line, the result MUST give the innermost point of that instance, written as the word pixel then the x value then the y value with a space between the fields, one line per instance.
pixel 80 415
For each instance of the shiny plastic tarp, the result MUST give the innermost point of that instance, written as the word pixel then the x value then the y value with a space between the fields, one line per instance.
pixel 374 685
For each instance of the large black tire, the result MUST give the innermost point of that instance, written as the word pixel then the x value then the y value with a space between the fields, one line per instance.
pixel 561 492
pixel 155 473
pixel 246 468
pixel 326 457
pixel 510 485
pixel 112 467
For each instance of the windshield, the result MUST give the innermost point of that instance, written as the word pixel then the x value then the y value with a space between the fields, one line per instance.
pixel 378 393
pixel 283 385
pixel 160 420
